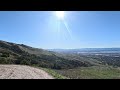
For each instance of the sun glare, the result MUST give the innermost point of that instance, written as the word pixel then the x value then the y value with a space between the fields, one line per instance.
pixel 60 14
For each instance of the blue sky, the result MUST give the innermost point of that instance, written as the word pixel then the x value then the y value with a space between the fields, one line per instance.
pixel 87 29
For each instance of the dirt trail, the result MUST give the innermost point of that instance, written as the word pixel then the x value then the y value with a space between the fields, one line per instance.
pixel 22 72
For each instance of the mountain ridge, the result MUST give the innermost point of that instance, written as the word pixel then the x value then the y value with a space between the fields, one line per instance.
pixel 12 53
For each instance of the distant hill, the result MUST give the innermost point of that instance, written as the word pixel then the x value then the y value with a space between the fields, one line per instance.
pixel 87 50
pixel 12 53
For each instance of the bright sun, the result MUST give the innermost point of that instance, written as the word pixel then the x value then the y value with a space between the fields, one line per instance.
pixel 60 14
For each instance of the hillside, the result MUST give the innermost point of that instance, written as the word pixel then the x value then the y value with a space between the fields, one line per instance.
pixel 94 72
pixel 60 65
pixel 22 72
pixel 11 53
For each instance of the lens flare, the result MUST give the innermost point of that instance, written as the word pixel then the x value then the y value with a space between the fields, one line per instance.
pixel 60 14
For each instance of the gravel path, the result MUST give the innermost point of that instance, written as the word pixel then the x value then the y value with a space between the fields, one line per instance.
pixel 22 72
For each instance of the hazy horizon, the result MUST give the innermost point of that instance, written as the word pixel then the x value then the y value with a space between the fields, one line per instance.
pixel 78 29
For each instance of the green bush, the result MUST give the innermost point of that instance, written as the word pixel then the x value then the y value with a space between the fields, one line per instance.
pixel 4 60
pixel 25 62
pixel 5 55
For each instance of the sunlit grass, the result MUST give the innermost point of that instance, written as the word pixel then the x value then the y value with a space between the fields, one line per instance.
pixel 94 72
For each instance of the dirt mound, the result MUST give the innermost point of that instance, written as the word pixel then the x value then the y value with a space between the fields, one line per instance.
pixel 22 72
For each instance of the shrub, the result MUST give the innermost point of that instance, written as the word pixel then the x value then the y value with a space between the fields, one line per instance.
pixel 25 62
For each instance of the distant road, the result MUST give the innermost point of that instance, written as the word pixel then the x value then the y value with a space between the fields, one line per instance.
pixel 22 72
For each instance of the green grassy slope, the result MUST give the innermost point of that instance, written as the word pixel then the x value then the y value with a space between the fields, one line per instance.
pixel 95 72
